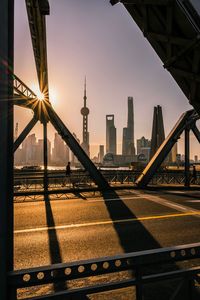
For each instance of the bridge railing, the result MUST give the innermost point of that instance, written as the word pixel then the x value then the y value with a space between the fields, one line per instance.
pixel 145 268
pixel 59 181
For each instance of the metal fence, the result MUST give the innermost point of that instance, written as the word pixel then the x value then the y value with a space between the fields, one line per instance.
pixel 32 183
pixel 158 267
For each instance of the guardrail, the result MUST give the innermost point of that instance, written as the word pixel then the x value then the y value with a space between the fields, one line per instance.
pixel 59 182
pixel 157 266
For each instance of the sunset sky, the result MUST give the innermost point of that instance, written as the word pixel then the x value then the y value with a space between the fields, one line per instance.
pixel 93 38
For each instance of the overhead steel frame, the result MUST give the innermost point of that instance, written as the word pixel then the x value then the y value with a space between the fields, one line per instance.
pixel 186 123
pixel 43 111
pixel 6 149
pixel 173 30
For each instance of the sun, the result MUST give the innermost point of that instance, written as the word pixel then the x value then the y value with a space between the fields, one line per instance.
pixel 53 95
pixel 40 96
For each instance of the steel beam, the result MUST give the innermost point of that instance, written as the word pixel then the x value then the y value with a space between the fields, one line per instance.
pixel 45 157
pixel 36 10
pixel 6 149
pixel 173 30
pixel 187 119
pixel 76 148
pixel 24 133
pixel 196 132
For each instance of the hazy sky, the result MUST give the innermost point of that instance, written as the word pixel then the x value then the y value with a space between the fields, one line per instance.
pixel 93 38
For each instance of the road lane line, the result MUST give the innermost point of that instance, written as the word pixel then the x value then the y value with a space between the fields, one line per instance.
pixel 113 199
pixel 193 201
pixel 105 222
pixel 167 203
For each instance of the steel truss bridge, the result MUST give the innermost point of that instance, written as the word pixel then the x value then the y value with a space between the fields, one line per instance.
pixel 173 29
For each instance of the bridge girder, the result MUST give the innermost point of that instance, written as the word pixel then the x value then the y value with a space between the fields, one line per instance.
pixel 173 30
pixel 37 10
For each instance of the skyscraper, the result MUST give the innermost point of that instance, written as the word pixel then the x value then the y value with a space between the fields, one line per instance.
pixel 128 146
pixel 85 112
pixel 60 151
pixel 111 135
pixel 158 133
pixel 101 153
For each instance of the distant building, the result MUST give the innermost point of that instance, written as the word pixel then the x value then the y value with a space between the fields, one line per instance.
pixel 31 152
pixel 29 148
pixel 111 135
pixel 111 159
pixel 85 112
pixel 158 133
pixel 60 151
pixel 128 146
pixel 196 158
pixel 101 153
pixel 143 149
pixel 39 152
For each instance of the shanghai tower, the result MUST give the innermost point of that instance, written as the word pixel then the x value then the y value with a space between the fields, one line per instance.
pixel 128 146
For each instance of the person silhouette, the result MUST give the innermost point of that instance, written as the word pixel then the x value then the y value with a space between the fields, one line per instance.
pixel 68 169
pixel 194 174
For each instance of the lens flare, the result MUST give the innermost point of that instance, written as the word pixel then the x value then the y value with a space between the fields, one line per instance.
pixel 40 96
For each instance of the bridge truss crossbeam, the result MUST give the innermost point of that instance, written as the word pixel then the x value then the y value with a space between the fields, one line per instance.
pixel 173 30
pixel 185 123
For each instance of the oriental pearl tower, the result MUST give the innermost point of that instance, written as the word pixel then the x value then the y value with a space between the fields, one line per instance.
pixel 85 112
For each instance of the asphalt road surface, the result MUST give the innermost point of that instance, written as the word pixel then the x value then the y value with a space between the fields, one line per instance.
pixel 83 228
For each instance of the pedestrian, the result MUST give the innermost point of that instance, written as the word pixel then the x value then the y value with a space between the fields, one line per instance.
pixel 68 169
pixel 194 174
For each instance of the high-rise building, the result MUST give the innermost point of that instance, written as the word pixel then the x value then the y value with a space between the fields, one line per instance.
pixel 85 112
pixel 29 150
pixel 101 153
pixel 39 152
pixel 128 146
pixel 111 135
pixel 158 133
pixel 60 151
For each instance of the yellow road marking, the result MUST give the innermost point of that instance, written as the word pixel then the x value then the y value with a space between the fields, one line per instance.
pixel 106 222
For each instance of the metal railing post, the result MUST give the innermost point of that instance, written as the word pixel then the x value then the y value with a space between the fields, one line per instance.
pixel 138 288
pixel 45 157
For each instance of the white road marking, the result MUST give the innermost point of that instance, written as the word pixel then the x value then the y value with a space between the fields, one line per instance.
pixel 164 202
pixel 193 201
pixel 114 199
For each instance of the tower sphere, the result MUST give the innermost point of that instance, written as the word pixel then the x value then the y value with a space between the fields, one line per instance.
pixel 85 111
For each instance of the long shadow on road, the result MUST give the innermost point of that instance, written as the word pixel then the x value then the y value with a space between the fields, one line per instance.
pixel 135 237
pixel 54 248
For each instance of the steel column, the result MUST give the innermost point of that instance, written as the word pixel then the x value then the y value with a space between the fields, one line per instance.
pixel 6 149
pixel 24 133
pixel 187 157
pixel 45 157
pixel 196 132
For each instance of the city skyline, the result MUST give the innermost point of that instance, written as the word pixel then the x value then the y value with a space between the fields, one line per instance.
pixel 103 50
